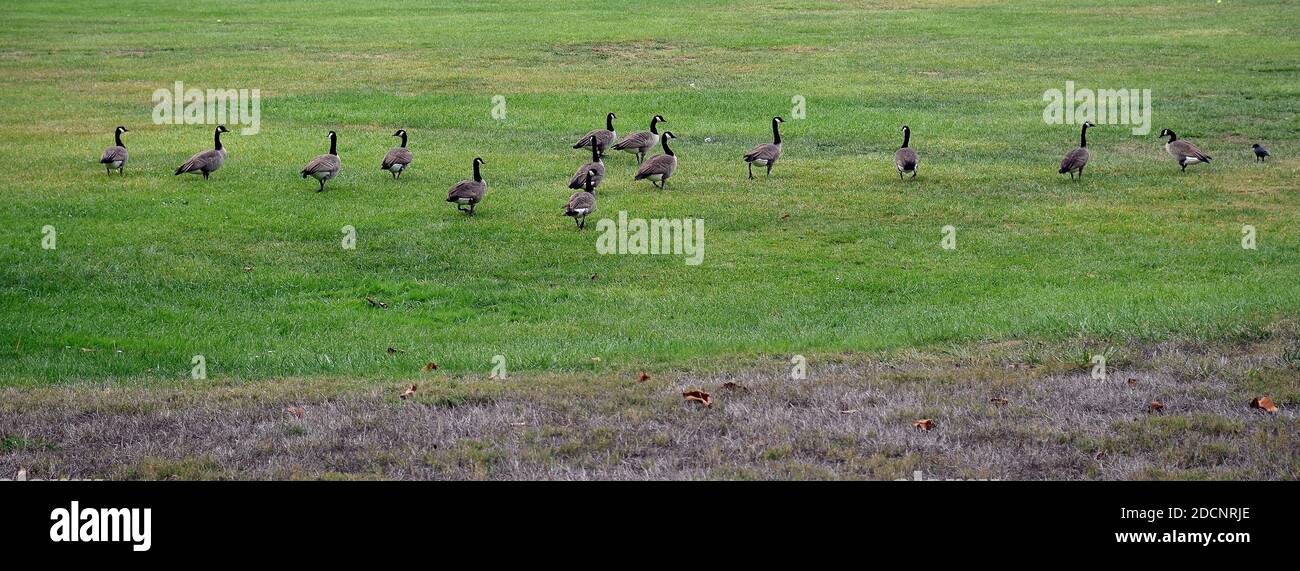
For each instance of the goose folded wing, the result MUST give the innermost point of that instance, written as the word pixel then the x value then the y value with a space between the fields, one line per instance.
pixel 398 156
pixel 323 163
pixel 580 201
pixel 905 159
pixel 1074 159
pixel 113 154
pixel 764 152
pixel 580 177
pixel 637 140
pixel 658 164
pixel 465 189
pixel 198 161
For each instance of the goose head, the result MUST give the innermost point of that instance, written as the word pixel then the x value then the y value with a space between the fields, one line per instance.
pixel 399 133
pixel 1088 125
pixel 222 129
pixel 1166 133
pixel 478 161
pixel 120 129
pixel 331 135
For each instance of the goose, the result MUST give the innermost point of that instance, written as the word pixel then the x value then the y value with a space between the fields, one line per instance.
pixel 398 158
pixel 114 157
pixel 601 138
pixel 468 191
pixel 325 167
pixel 205 162
pixel 1260 152
pixel 596 165
pixel 642 141
pixel 1182 151
pixel 1075 160
pixel 583 202
pixel 659 167
pixel 905 159
pixel 767 153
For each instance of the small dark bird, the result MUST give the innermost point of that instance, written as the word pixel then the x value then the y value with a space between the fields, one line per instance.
pixel 1260 152
pixel 905 159
pixel 583 202
pixel 114 157
pixel 468 192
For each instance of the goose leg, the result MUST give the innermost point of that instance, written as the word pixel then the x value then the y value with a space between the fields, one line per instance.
pixel 108 169
pixel 900 174
pixel 751 170
pixel 583 225
pixel 205 175
pixel 1080 173
pixel 914 171
pixel 769 167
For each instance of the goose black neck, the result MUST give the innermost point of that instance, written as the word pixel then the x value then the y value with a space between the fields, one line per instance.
pixel 117 137
pixel 587 186
pixel 609 122
pixel 654 125
pixel 216 139
pixel 1172 137
pixel 1083 136
pixel 334 145
pixel 667 151
pixel 595 153
pixel 403 140
pixel 907 136
pixel 776 132
pixel 477 177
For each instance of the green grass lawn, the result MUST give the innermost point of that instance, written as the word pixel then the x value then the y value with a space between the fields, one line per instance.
pixel 149 268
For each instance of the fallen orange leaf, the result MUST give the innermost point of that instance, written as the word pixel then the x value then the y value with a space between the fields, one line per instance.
pixel 1155 406
pixel 1132 382
pixel 408 393
pixel 733 386
pixel 698 396
pixel 999 400
pixel 923 424
pixel 643 378
pixel 1265 404
pixel 296 411
pixel 429 367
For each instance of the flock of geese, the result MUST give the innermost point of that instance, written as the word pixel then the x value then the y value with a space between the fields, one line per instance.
pixel 466 194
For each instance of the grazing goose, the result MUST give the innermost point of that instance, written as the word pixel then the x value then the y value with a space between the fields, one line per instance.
pixel 600 138
pixel 1182 151
pixel 326 166
pixel 1075 160
pixel 397 159
pixel 468 191
pixel 642 141
pixel 583 202
pixel 1260 152
pixel 767 153
pixel 905 159
pixel 206 162
pixel 659 167
pixel 115 156
pixel 596 165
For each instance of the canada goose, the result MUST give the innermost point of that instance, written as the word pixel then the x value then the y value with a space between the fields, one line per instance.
pixel 583 202
pixel 326 166
pixel 115 156
pixel 205 162
pixel 642 141
pixel 1075 160
pixel 1260 152
pixel 597 165
pixel 468 191
pixel 1182 151
pixel 601 138
pixel 905 159
pixel 397 159
pixel 767 153
pixel 659 167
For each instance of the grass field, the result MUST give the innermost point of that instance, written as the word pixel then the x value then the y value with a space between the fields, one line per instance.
pixel 153 265
pixel 832 255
